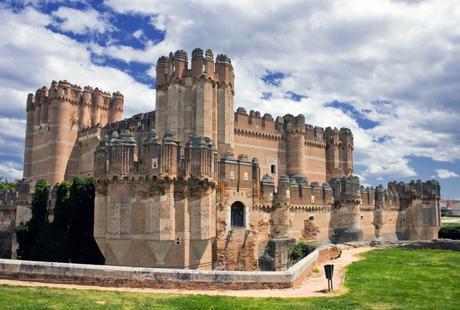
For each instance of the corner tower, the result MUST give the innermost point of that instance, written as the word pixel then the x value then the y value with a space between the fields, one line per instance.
pixel 195 100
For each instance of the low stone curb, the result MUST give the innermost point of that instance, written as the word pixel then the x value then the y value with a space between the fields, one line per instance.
pixel 118 276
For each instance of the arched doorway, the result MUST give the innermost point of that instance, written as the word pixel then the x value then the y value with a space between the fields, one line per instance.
pixel 237 214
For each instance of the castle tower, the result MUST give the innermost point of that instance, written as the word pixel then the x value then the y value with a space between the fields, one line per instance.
pixel 339 153
pixel 84 120
pixel 63 124
pixel 29 139
pixel 346 139
pixel 196 101
pixel 56 119
pixel 116 107
pixel 295 145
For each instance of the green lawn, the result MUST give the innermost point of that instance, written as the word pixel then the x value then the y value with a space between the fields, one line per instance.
pixel 386 279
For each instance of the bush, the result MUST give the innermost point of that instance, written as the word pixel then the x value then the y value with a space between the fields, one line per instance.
pixel 301 249
pixel 6 185
pixel 69 238
pixel 451 231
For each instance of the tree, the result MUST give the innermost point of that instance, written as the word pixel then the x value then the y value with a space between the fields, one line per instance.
pixel 83 247
pixel 26 233
pixel 5 184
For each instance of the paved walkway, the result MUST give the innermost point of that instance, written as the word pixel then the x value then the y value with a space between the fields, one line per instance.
pixel 313 286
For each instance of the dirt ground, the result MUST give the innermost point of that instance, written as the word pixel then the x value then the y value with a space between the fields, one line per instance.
pixel 313 286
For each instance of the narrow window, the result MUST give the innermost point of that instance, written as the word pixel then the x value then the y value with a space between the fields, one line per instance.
pixel 273 169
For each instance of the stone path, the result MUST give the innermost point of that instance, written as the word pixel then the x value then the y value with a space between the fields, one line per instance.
pixel 313 286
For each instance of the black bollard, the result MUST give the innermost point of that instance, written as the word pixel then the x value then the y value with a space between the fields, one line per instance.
pixel 329 270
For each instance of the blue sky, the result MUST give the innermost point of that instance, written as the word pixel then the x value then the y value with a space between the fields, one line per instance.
pixel 389 70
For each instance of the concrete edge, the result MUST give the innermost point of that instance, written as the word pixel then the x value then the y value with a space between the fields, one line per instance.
pixel 105 275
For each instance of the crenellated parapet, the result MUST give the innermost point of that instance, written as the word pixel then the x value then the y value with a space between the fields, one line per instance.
pixel 120 154
pixel 175 68
pixel 346 189
pixel 92 104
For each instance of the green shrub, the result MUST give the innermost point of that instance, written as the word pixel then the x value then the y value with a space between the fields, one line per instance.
pixel 6 185
pixel 69 238
pixel 301 249
pixel 450 231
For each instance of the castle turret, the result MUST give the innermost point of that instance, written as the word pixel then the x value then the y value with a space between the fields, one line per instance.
pixel 84 120
pixel 296 145
pixel 44 106
pixel 151 155
pixel 198 63
pixel 30 105
pixel 122 153
pixel 346 138
pixel 225 93
pixel 116 108
pixel 345 217
pixel 169 156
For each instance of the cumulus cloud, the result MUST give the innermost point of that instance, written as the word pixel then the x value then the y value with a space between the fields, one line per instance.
pixel 80 22
pixel 10 170
pixel 445 174
pixel 395 63
pixel 382 57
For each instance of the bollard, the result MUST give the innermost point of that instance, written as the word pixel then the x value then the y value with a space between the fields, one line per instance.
pixel 329 270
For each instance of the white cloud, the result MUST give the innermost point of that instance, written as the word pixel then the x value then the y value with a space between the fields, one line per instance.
pixel 80 22
pixel 351 51
pixel 445 174
pixel 10 170
pixel 33 56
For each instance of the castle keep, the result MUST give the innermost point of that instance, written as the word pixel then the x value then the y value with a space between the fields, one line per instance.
pixel 196 184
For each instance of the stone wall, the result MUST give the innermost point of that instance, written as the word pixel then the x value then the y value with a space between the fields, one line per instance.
pixel 116 276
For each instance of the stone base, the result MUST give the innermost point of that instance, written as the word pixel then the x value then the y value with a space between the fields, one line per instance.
pixel 347 235
pixel 276 255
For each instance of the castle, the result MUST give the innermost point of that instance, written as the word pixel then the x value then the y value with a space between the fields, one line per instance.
pixel 196 185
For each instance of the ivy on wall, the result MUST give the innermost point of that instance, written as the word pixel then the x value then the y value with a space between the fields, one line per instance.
pixel 69 237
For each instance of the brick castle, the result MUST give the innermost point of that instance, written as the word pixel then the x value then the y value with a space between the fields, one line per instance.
pixel 195 184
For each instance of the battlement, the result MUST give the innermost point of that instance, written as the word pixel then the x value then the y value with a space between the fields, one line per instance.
pixel 175 67
pixel 336 137
pixel 425 191
pixel 296 190
pixel 120 154
pixel 63 90
pixel 398 195
pixel 21 194
pixel 254 123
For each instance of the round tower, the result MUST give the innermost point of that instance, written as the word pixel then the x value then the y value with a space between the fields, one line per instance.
pixel 296 145
pixel 85 109
pixel 116 107
pixel 27 172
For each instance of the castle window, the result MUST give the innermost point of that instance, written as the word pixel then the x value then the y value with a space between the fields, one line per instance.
pixel 154 163
pixel 232 175
pixel 204 68
pixel 237 214
pixel 273 169
pixel 178 241
pixel 245 176
pixel 311 218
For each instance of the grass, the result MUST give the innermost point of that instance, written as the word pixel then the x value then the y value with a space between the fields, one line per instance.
pixel 386 279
